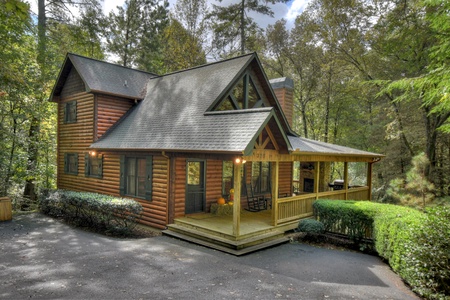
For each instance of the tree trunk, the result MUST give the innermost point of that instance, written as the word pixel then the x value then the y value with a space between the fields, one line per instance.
pixel 243 27
pixel 30 189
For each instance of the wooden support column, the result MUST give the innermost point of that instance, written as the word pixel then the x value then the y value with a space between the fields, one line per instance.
pixel 369 179
pixel 274 179
pixel 237 199
pixel 316 178
pixel 346 180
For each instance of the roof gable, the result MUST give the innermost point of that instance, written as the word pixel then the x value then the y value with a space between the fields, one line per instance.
pixel 103 77
pixel 172 115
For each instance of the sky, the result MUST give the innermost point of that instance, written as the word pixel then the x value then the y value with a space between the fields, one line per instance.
pixel 288 11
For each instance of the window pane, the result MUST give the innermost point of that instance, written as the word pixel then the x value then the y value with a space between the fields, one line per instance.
pixel 141 177
pixel 253 96
pixel 265 176
pixel 71 111
pixel 93 165
pixel 256 171
pixel 72 163
pixel 227 177
pixel 238 93
pixel 131 176
pixel 194 173
pixel 226 105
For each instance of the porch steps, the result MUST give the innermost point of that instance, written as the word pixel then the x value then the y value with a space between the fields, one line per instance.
pixel 235 247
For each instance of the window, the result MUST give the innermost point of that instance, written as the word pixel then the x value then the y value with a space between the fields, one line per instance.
pixel 93 165
pixel 227 177
pixel 71 163
pixel 70 112
pixel 136 176
pixel 243 95
pixel 261 177
pixel 296 176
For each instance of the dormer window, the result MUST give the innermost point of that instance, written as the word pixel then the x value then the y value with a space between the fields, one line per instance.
pixel 243 95
pixel 70 112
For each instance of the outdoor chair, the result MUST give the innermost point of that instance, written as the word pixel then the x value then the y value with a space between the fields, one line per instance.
pixel 255 203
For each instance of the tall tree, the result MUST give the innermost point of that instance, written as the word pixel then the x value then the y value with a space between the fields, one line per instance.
pixel 193 15
pixel 134 33
pixel 181 49
pixel 50 15
pixel 233 24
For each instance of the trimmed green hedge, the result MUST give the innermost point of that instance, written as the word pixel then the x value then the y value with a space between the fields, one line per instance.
pixel 97 211
pixel 416 244
pixel 310 226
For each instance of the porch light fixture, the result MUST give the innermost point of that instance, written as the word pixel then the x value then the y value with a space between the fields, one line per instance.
pixel 92 153
pixel 239 160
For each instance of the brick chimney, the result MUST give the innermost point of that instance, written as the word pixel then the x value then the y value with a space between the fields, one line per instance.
pixel 284 91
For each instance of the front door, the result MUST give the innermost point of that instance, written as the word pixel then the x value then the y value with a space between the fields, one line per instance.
pixel 195 186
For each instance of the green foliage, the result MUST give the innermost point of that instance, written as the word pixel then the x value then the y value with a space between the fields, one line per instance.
pixel 427 255
pixel 233 27
pixel 97 211
pixel 347 217
pixel 134 33
pixel 416 244
pixel 182 49
pixel 311 226
pixel 416 189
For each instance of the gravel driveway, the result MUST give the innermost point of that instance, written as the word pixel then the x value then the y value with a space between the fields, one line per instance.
pixel 43 258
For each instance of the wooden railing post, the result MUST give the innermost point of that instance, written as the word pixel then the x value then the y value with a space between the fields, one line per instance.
pixel 274 179
pixel 369 179
pixel 346 180
pixel 316 178
pixel 237 198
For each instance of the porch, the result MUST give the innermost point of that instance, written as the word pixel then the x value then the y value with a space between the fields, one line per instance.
pixel 251 231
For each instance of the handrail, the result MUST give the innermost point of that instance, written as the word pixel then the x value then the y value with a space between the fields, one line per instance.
pixel 300 206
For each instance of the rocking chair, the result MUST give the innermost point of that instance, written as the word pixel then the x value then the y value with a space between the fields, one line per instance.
pixel 255 203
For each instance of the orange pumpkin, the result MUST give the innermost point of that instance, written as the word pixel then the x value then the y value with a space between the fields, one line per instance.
pixel 221 201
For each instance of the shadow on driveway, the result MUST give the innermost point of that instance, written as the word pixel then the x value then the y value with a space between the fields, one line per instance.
pixel 43 258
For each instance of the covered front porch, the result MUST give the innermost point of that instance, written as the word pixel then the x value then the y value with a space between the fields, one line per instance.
pixel 244 231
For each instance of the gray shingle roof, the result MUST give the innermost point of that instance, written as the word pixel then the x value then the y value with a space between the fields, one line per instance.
pixel 302 145
pixel 104 77
pixel 172 115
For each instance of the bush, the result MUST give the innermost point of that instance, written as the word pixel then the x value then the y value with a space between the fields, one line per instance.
pixel 97 211
pixel 416 244
pixel 310 226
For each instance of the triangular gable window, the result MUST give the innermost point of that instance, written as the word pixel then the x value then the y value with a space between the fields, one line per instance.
pixel 242 96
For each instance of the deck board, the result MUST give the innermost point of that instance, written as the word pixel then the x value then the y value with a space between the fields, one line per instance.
pixel 250 222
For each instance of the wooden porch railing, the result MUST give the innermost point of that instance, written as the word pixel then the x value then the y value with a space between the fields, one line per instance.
pixel 298 207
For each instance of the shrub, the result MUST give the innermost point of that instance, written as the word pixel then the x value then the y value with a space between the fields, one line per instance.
pixel 416 244
pixel 311 226
pixel 100 212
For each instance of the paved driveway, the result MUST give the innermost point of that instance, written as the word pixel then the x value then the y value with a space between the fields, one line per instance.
pixel 43 258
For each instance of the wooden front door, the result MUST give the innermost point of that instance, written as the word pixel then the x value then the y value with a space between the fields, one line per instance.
pixel 195 187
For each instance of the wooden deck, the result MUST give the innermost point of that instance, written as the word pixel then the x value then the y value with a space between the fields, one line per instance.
pixel 256 231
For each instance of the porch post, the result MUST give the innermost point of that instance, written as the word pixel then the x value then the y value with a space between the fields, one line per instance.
pixel 237 198
pixel 346 180
pixel 316 178
pixel 369 179
pixel 274 180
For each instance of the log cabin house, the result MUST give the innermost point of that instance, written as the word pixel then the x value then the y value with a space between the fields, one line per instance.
pixel 178 142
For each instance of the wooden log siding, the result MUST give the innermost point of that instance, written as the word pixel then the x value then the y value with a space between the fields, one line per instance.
pixel 75 138
pixel 213 182
pixel 109 111
pixel 285 179
pixel 180 187
pixel 155 212
pixel 74 84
